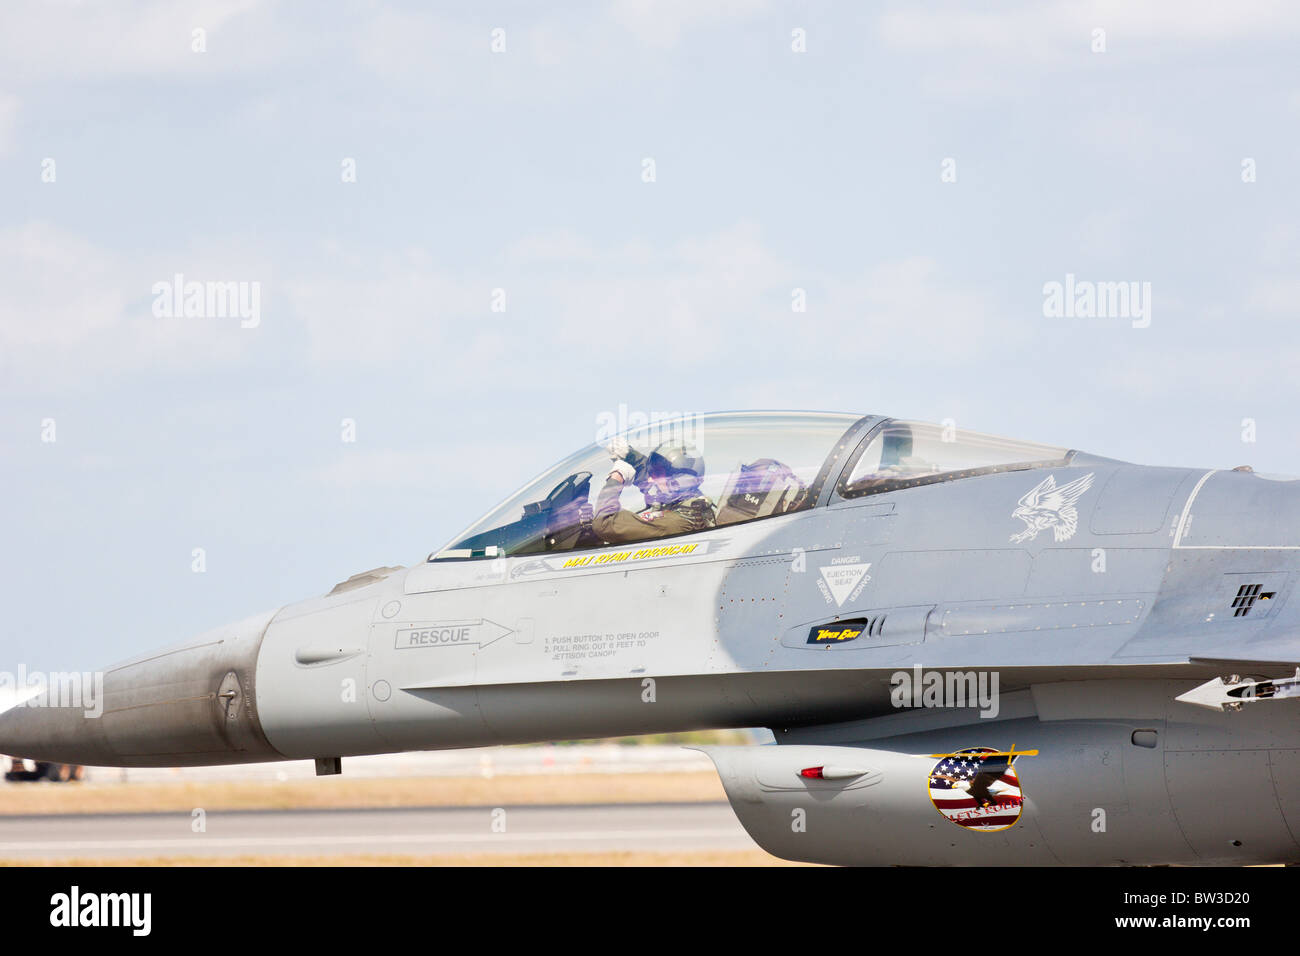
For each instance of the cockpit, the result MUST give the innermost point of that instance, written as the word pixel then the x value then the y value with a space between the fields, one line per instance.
pixel 744 466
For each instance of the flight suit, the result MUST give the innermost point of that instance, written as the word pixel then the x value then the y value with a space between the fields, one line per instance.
pixel 615 525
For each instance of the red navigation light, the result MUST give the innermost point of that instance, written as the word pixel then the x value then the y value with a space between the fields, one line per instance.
pixel 812 773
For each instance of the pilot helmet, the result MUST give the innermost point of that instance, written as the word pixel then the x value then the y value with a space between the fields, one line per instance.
pixel 683 466
pixel 897 444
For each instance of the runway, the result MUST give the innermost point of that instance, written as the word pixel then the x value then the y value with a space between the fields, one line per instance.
pixel 409 830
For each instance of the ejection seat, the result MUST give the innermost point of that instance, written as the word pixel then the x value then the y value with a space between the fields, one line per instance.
pixel 766 487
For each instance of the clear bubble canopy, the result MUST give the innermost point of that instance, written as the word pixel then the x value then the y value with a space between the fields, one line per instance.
pixel 749 465
pixel 779 455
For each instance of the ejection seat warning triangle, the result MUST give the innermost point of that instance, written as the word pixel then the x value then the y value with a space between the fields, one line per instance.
pixel 840 581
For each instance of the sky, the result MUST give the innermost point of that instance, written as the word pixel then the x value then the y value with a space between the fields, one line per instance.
pixel 474 230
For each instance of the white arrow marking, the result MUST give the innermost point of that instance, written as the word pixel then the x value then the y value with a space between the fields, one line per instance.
pixel 1222 695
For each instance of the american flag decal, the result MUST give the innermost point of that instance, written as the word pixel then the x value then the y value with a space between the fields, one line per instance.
pixel 978 788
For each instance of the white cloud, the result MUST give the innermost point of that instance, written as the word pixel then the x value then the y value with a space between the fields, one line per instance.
pixel 1043 31
pixel 1129 136
pixel 73 41
pixel 623 296
pixel 381 468
pixel 1151 374
pixel 695 302
pixel 387 309
pixel 71 310
pixel 1279 245
pixel 579 51
pixel 1275 296
pixel 425 48
pixel 1171 23
pixel 512 456
pixel 661 23
pixel 1106 231
pixel 59 290
pixel 908 313
pixel 976 56
pixel 563 246
pixel 9 106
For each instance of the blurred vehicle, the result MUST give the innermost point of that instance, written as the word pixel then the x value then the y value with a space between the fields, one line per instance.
pixel 17 769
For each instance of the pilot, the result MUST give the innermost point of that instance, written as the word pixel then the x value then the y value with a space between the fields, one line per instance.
pixel 670 483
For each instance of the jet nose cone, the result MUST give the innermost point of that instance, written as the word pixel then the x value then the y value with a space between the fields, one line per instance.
pixel 190 704
pixel 55 734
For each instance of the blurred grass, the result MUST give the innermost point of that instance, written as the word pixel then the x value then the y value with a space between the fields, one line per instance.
pixel 694 738
pixel 328 793
pixel 611 858
pixel 700 738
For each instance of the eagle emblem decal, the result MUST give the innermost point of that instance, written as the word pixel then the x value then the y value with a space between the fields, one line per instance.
pixel 1048 506
pixel 978 788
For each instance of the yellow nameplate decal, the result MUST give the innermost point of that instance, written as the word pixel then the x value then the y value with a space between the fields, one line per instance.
pixel 837 633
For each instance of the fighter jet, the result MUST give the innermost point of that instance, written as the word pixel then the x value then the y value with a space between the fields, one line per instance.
pixel 907 606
